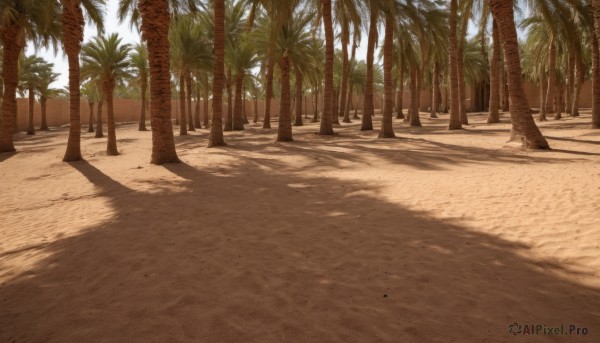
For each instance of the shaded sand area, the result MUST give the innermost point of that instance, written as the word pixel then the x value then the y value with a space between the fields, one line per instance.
pixel 436 236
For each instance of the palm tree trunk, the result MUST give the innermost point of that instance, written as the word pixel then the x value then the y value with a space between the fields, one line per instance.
pixel 543 92
pixel 255 110
pixel 197 121
pixel 455 122
pixel 494 115
pixel 336 96
pixel 72 21
pixel 144 88
pixel 90 120
pixel 435 90
pixel 326 119
pixel 10 75
pixel 387 129
pixel 316 106
pixel 30 127
pixel 505 93
pixel 244 112
pixel 559 100
pixel 206 94
pixel 43 107
pixel 216 128
pixel 188 85
pixel 400 97
pixel 549 105
pixel 284 133
pixel 238 116
pixel 347 108
pixel 345 70
pixel 522 120
pixel 155 30
pixel 596 73
pixel 182 114
pixel 571 82
pixel 415 92
pixel 111 143
pixel 268 91
pixel 579 78
pixel 367 118
pixel 462 89
pixel 99 133
pixel 229 116
pixel 299 84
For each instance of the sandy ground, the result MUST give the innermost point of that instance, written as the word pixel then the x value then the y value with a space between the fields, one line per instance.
pixel 436 236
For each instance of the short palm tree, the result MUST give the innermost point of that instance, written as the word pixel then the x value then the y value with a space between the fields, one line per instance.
pixel 189 53
pixel 139 65
pixel 45 92
pixel 106 59
pixel 90 91
pixel 30 68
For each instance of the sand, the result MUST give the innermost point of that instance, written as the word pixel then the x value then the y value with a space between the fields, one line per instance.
pixel 435 236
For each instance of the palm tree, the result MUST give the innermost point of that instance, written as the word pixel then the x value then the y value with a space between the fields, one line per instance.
pixel 139 64
pixel 189 53
pixel 72 27
pixel 596 43
pixel 45 92
pixel 294 47
pixel 523 123
pixel 387 130
pixel 455 122
pixel 90 92
pixel 494 106
pixel 216 128
pixel 107 59
pixel 155 18
pixel 240 56
pixel 327 116
pixel 21 21
pixel 367 120
pixel 30 68
pixel 347 14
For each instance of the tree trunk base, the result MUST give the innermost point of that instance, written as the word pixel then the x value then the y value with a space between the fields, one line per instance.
pixel 433 116
pixel 386 135
pixel 455 126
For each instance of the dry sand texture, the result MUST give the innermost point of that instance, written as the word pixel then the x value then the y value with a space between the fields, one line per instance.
pixel 436 236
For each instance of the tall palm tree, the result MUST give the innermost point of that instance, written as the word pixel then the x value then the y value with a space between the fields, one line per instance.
pixel 72 27
pixel 216 128
pixel 139 64
pixel 494 106
pixel 596 114
pixel 523 123
pixel 367 120
pixel 387 130
pixel 327 116
pixel 155 17
pixel 455 122
pixel 294 47
pixel 45 92
pixel 107 59
pixel 21 21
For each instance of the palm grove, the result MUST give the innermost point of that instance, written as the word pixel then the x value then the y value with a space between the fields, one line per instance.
pixel 204 50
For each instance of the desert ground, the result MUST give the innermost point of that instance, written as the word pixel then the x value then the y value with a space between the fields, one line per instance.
pixel 435 236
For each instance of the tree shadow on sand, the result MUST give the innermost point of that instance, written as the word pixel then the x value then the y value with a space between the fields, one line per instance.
pixel 255 255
